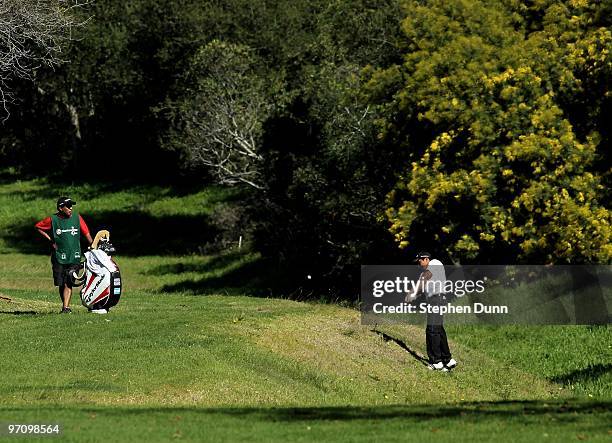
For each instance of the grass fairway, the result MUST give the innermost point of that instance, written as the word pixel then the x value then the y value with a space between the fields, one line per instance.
pixel 185 357
pixel 166 366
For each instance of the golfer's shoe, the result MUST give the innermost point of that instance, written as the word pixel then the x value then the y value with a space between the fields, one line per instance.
pixel 98 311
pixel 437 367
pixel 66 311
pixel 452 363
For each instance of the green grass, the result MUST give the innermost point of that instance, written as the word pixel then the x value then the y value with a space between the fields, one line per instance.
pixel 186 356
pixel 579 358
pixel 469 422
pixel 147 219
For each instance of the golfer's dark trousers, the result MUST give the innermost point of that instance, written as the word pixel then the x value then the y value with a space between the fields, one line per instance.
pixel 435 335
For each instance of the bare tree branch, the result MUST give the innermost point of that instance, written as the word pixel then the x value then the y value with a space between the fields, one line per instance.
pixel 223 122
pixel 32 34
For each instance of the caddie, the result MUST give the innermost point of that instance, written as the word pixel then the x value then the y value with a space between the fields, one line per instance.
pixel 63 231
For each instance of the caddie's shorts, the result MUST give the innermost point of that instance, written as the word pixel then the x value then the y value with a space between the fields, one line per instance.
pixel 61 272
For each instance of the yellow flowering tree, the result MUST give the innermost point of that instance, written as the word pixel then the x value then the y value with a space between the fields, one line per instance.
pixel 501 108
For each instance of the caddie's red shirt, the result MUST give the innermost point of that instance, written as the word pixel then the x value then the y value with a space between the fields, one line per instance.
pixel 45 224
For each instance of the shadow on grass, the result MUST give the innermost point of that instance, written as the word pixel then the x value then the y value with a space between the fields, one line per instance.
pixel 134 233
pixel 215 264
pixel 424 412
pixel 15 308
pixel 7 176
pixel 40 192
pixel 257 278
pixel 568 411
pixel 21 312
pixel 591 373
pixel 152 191
pixel 403 345
pixel 237 273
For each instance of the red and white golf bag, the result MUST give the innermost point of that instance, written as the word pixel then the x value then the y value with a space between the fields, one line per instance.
pixel 101 279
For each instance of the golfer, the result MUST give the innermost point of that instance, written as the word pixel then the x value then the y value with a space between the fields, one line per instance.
pixel 431 283
pixel 63 231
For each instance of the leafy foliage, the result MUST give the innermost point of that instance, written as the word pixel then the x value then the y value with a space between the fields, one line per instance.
pixel 497 168
pixel 473 129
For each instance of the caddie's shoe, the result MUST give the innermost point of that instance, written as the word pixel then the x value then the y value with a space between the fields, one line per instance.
pixel 452 363
pixel 99 311
pixel 66 311
pixel 437 367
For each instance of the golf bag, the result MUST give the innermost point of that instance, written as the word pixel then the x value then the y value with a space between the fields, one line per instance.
pixel 100 277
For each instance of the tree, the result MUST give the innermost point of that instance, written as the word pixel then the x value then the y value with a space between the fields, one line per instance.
pixel 497 170
pixel 32 34
pixel 221 117
pixel 326 172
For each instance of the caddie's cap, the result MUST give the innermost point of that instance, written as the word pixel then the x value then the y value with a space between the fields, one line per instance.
pixel 65 201
pixel 422 254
